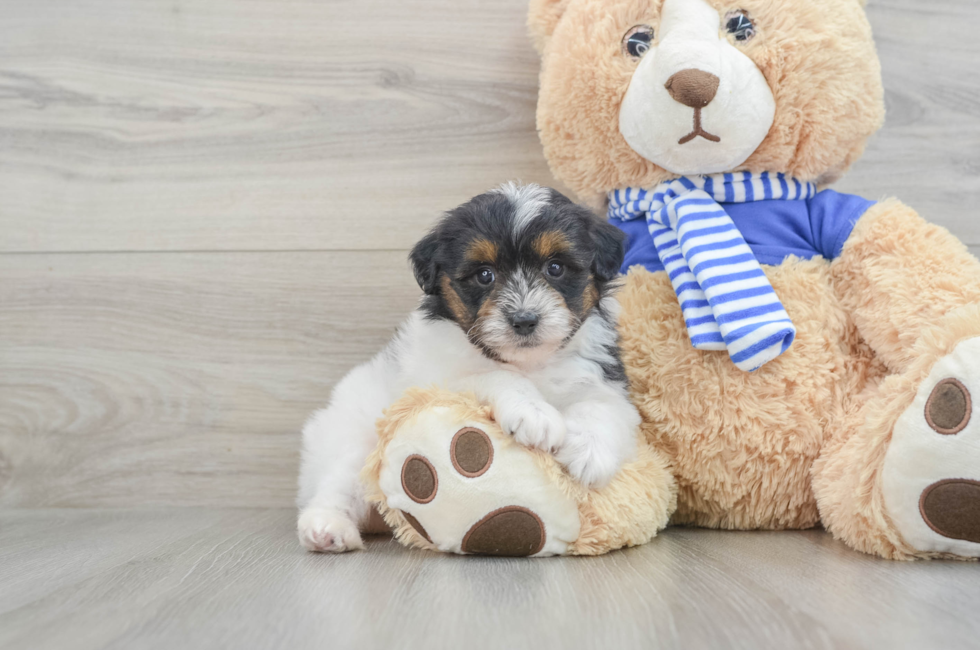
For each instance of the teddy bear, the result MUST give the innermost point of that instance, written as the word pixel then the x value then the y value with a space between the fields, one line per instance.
pixel 799 357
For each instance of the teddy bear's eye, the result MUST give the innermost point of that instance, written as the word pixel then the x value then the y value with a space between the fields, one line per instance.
pixel 636 42
pixel 739 25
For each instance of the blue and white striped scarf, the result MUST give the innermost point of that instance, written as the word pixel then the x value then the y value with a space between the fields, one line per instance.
pixel 727 301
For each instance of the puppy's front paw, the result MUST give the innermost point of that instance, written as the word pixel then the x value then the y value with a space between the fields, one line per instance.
pixel 327 531
pixel 533 423
pixel 590 460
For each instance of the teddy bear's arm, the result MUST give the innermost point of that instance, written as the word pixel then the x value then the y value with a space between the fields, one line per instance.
pixel 899 275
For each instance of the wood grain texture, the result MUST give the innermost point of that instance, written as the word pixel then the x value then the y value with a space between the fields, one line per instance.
pixel 258 125
pixel 193 578
pixel 178 379
pixel 928 153
pixel 229 125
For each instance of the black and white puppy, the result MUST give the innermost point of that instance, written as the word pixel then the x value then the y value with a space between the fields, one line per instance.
pixel 517 309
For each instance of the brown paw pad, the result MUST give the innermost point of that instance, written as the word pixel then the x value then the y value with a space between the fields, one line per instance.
pixel 414 523
pixel 419 479
pixel 471 452
pixel 949 407
pixel 952 508
pixel 511 531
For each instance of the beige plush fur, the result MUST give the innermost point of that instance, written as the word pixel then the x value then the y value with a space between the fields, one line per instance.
pixel 817 55
pixel 898 275
pixel 847 477
pixel 742 444
pixel 802 441
pixel 914 290
pixel 628 511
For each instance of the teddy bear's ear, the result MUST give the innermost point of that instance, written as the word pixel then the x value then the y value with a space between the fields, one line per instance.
pixel 542 17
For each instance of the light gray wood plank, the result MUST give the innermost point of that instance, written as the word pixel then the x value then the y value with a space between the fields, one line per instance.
pixel 77 545
pixel 928 153
pixel 218 124
pixel 221 124
pixel 193 578
pixel 178 378
pixel 868 601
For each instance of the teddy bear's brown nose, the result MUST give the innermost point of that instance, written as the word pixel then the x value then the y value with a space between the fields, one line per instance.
pixel 694 88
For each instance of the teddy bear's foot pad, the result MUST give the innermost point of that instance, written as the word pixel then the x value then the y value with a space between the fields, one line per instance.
pixel 474 490
pixel 511 531
pixel 931 474
pixel 950 508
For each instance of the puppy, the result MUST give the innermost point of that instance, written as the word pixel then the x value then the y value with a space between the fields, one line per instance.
pixel 517 309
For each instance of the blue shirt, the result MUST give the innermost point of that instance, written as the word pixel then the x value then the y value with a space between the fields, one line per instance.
pixel 773 229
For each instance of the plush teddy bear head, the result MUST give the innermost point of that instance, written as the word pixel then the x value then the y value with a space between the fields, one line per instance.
pixel 634 92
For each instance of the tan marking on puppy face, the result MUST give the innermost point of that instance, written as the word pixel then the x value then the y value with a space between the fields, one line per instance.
pixel 486 309
pixel 455 303
pixel 564 304
pixel 590 296
pixel 482 250
pixel 549 244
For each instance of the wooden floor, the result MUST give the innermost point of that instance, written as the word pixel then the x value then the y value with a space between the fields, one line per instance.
pixel 234 578
pixel 205 209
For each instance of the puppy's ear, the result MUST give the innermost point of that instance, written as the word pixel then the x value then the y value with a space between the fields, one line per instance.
pixel 424 264
pixel 608 241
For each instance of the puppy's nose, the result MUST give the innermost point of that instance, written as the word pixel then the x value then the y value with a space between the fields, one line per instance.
pixel 524 322
pixel 694 88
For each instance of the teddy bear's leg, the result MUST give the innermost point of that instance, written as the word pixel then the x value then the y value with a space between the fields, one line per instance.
pixel 446 477
pixel 900 476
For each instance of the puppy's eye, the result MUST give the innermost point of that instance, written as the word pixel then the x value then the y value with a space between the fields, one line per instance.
pixel 555 269
pixel 485 276
pixel 739 25
pixel 637 40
